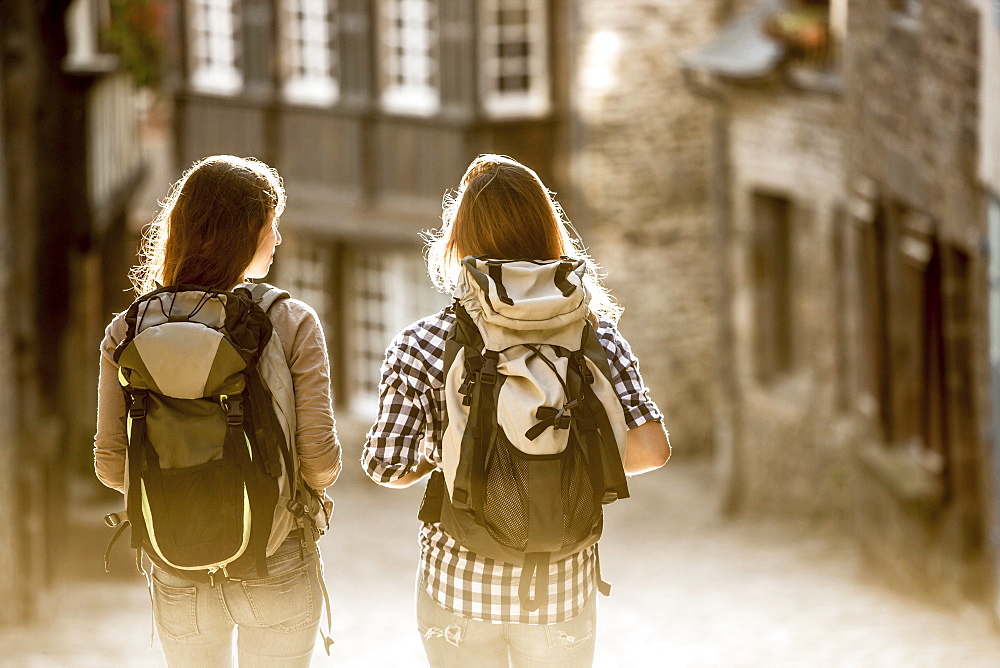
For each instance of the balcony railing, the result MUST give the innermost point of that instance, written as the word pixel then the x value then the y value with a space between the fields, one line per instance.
pixel 114 152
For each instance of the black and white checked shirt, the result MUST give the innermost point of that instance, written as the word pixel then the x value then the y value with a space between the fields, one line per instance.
pixel 411 410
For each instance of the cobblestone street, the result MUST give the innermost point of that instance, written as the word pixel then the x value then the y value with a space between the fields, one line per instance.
pixel 690 589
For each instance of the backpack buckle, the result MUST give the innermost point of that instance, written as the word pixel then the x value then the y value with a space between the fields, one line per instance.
pixel 234 410
pixel 564 415
pixel 296 509
pixel 465 389
pixel 488 373
pixel 138 408
pixel 585 372
pixel 113 520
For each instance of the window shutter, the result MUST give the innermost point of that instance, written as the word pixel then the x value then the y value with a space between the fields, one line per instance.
pixel 258 25
pixel 458 57
pixel 355 52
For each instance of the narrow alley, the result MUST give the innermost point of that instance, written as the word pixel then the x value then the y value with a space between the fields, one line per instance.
pixel 689 590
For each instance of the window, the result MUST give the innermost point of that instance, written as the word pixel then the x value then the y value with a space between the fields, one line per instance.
pixel 306 266
pixel 873 344
pixel 772 269
pixel 87 26
pixel 305 270
pixel 409 36
pixel 917 366
pixel 841 318
pixel 213 37
pixel 308 30
pixel 389 290
pixel 961 459
pixel 958 448
pixel 514 57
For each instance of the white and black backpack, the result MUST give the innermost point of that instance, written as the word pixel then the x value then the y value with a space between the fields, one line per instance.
pixel 534 434
pixel 212 483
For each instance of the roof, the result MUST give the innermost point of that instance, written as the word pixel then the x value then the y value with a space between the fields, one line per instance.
pixel 741 50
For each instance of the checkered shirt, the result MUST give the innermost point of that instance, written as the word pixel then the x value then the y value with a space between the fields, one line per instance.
pixel 411 412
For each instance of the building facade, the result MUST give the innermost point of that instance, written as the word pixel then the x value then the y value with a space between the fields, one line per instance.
pixel 371 112
pixel 70 162
pixel 854 306
pixel 773 74
pixel 641 173
pixel 918 232
pixel 989 174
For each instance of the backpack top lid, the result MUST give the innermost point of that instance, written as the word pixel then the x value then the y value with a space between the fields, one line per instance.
pixel 525 301
pixel 176 345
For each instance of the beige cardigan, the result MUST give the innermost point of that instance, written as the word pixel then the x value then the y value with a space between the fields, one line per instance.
pixel 298 328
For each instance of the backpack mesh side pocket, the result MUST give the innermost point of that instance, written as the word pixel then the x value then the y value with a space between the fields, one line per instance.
pixel 581 508
pixel 539 502
pixel 505 497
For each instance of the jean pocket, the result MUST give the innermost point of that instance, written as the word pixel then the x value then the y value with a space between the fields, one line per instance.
pixel 286 602
pixel 435 621
pixel 572 634
pixel 175 609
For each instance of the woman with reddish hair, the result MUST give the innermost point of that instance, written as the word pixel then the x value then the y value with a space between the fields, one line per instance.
pixel 472 609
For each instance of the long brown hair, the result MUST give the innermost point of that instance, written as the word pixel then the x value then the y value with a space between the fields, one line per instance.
pixel 503 210
pixel 208 227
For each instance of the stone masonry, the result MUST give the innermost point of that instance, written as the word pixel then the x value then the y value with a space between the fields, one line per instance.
pixel 794 439
pixel 640 169
pixel 913 143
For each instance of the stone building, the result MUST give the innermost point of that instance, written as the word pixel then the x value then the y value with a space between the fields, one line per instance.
pixel 371 111
pixel 9 543
pixel 773 75
pixel 640 193
pixel 372 117
pixel 69 162
pixel 989 173
pixel 916 242
pixel 846 147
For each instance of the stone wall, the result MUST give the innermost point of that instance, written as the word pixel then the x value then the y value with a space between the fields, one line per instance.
pixel 795 437
pixel 913 103
pixel 989 94
pixel 9 577
pixel 914 142
pixel 641 173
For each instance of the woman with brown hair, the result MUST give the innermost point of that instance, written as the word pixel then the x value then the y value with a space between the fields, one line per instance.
pixel 217 229
pixel 472 609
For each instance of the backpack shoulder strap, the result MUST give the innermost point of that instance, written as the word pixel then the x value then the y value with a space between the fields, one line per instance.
pixel 265 295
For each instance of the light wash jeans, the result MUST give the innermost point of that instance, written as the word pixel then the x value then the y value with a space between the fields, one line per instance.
pixel 276 618
pixel 452 641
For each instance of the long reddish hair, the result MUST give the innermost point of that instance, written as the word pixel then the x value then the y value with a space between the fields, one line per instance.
pixel 208 227
pixel 503 210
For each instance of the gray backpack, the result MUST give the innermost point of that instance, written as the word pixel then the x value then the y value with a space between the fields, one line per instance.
pixel 212 484
pixel 534 434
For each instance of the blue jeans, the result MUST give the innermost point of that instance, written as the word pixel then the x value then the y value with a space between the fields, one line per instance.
pixel 454 641
pixel 275 618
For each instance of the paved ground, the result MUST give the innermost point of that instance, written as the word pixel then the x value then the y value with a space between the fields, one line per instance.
pixel 689 590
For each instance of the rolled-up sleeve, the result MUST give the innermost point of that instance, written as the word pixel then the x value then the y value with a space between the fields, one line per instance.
pixel 392 447
pixel 110 439
pixel 410 401
pixel 632 392
pixel 302 336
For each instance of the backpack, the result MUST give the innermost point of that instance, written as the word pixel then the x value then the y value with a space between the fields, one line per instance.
pixel 212 480
pixel 534 433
